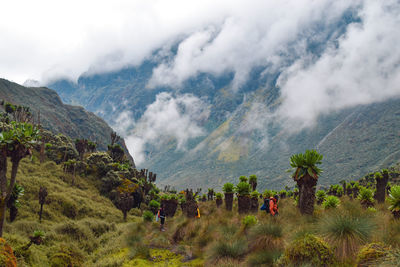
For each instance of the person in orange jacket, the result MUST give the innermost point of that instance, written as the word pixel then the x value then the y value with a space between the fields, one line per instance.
pixel 273 205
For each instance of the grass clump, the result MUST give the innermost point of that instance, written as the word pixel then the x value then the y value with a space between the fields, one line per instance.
pixel 148 216
pixel 266 236
pixel 235 249
pixel 346 233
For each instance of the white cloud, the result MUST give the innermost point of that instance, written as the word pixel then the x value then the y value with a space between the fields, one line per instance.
pixel 168 118
pixel 255 33
pixel 363 68
pixel 45 39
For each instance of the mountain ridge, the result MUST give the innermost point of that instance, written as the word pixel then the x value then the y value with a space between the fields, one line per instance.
pixel 229 150
pixel 70 120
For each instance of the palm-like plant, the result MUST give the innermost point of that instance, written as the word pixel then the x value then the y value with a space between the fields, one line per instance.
pixel 331 202
pixel 253 181
pixel 366 197
pixel 381 183
pixel 228 189
pixel 15 143
pixel 13 202
pixel 394 201
pixel 306 174
pixel 321 196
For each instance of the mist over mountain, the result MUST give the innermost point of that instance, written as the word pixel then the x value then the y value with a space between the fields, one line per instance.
pixel 208 91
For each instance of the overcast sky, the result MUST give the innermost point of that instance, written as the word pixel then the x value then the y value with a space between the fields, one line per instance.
pixel 45 40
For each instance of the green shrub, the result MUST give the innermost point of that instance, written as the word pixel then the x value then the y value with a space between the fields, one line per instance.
pixel 154 204
pixel 366 197
pixel 331 202
pixel 60 260
pixel 307 249
pixel 321 196
pixel 268 193
pixel 249 220
pixel 394 198
pixel 255 194
pixel 243 188
pixel 148 216
pixel 228 188
pixel 243 179
pixel 372 254
pixel 165 197
pixel 173 197
pixel 218 195
pixel 75 231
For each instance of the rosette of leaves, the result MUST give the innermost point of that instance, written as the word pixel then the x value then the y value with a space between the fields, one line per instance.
pixel 366 197
pixel 394 201
pixel 243 179
pixel 243 189
pixel 268 193
pixel 331 202
pixel 305 174
pixel 255 194
pixel 306 164
pixel 228 188
pixel 154 206
pixel 321 196
pixel 218 196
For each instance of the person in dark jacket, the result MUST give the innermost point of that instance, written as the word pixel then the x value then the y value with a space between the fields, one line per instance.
pixel 161 216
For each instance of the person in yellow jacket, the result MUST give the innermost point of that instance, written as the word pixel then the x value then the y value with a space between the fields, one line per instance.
pixel 198 213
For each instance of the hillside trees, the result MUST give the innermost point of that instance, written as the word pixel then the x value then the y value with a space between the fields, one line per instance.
pixel 306 176
pixel 14 144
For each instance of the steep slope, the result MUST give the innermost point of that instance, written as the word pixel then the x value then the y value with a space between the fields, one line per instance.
pixel 353 141
pixel 73 121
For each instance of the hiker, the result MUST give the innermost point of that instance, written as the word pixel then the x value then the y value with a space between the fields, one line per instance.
pixel 270 205
pixel 161 215
pixel 197 213
pixel 273 205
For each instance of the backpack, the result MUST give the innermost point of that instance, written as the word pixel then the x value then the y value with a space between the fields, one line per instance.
pixel 266 203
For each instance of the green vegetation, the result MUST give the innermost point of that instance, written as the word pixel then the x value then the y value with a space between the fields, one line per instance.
pixel 321 196
pixel 366 197
pixel 228 188
pixel 305 175
pixel 331 202
pixel 394 201
pixel 80 200
pixel 243 188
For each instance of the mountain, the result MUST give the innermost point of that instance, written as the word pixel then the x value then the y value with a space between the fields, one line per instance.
pixel 354 141
pixel 72 121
